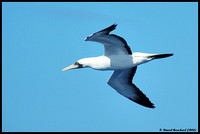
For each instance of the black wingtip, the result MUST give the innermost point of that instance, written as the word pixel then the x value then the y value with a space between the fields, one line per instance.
pixel 145 102
pixel 152 106
pixel 109 29
pixel 112 27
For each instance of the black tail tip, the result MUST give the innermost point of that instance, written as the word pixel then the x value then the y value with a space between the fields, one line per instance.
pixel 167 55
pixel 161 56
pixel 171 54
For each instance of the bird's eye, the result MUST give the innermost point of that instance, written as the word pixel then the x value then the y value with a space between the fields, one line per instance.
pixel 76 63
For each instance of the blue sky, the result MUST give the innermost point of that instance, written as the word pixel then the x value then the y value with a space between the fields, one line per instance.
pixel 40 39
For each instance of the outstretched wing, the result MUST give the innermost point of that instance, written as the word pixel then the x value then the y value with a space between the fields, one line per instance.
pixel 121 81
pixel 113 44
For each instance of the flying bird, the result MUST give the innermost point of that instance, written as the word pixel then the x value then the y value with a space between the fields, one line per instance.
pixel 118 57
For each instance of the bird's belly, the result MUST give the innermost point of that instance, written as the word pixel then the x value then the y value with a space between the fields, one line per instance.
pixel 115 62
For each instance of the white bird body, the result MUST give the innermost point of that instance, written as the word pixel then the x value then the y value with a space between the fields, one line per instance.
pixel 118 57
pixel 114 62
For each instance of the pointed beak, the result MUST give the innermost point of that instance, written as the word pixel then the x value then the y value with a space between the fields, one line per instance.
pixel 70 67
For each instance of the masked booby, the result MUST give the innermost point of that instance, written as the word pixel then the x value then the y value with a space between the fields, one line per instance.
pixel 118 57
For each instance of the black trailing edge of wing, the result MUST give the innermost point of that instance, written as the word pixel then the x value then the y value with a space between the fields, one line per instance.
pixel 125 43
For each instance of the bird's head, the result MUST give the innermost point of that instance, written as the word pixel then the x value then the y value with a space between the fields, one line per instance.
pixel 79 64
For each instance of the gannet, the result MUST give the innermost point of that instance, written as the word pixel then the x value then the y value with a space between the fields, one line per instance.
pixel 118 57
